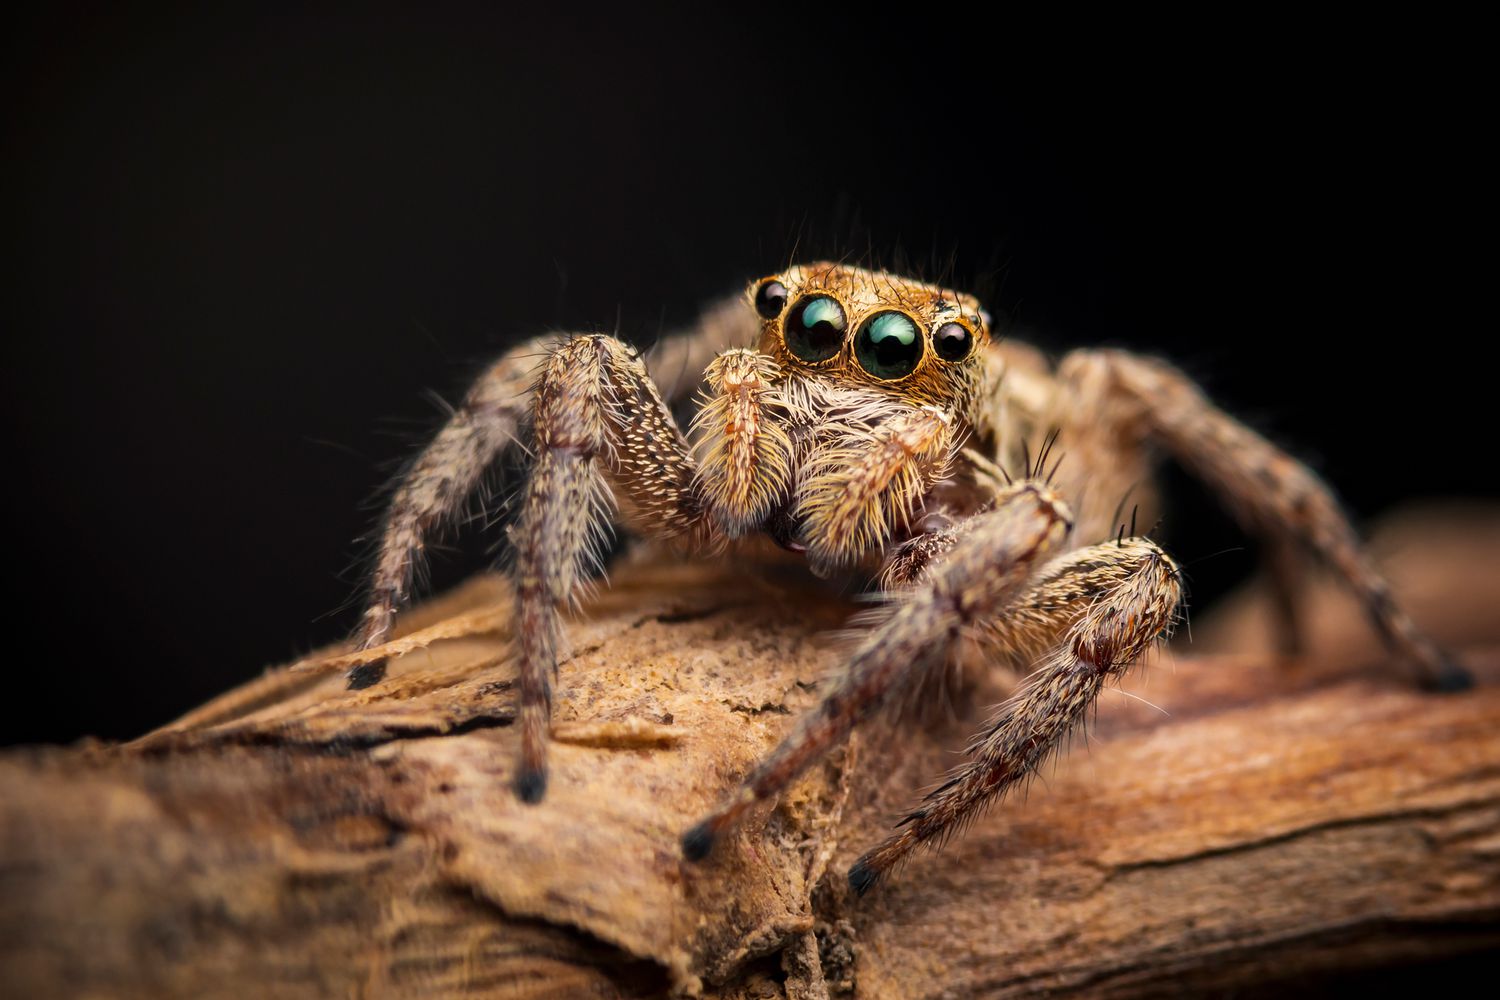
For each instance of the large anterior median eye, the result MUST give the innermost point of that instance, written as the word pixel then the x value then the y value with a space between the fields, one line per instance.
pixel 888 345
pixel 815 328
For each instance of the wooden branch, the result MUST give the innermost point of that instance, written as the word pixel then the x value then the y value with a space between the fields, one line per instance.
pixel 294 839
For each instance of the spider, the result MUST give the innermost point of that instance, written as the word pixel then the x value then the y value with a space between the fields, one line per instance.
pixel 868 422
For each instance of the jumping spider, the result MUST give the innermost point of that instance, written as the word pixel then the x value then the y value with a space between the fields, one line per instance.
pixel 868 422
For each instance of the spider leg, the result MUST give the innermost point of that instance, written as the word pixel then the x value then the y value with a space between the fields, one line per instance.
pixel 981 573
pixel 910 561
pixel 599 421
pixel 1095 611
pixel 1271 493
pixel 1284 570
pixel 435 488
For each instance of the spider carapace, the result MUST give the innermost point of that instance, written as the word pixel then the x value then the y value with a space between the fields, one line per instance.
pixel 869 422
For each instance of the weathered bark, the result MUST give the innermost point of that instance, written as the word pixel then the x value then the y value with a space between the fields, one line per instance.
pixel 295 839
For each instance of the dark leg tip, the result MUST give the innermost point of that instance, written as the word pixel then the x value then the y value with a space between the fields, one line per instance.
pixel 531 786
pixel 862 877
pixel 366 675
pixel 1449 679
pixel 697 842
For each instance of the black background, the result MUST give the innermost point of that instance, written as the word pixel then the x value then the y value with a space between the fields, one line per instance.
pixel 246 246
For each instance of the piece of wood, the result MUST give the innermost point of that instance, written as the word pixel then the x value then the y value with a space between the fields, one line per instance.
pixel 294 839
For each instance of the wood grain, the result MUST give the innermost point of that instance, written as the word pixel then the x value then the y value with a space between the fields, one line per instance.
pixel 1282 820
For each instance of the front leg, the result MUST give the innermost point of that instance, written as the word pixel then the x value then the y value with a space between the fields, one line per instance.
pixel 440 482
pixel 1090 614
pixel 599 421
pixel 436 487
pixel 981 573
pixel 1135 399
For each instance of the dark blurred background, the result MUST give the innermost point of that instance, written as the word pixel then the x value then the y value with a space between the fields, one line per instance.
pixel 246 247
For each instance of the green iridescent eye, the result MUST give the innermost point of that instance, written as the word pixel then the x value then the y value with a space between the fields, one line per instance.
pixel 888 345
pixel 815 328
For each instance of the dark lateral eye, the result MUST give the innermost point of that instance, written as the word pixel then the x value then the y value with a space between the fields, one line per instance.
pixel 952 341
pixel 815 328
pixel 889 345
pixel 770 299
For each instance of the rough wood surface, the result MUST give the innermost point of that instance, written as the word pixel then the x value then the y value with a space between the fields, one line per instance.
pixel 294 839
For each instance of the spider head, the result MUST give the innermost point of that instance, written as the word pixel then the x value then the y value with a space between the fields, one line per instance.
pixel 829 436
pixel 859 328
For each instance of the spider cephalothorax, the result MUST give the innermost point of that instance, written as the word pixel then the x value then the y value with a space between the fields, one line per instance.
pixel 831 433
pixel 870 422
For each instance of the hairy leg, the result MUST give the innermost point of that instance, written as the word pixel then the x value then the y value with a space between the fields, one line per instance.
pixel 436 487
pixel 1144 400
pixel 1093 612
pixel 598 421
pixel 981 573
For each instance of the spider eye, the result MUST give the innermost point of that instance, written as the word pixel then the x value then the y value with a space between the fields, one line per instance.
pixel 952 341
pixel 888 345
pixel 770 299
pixel 815 328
